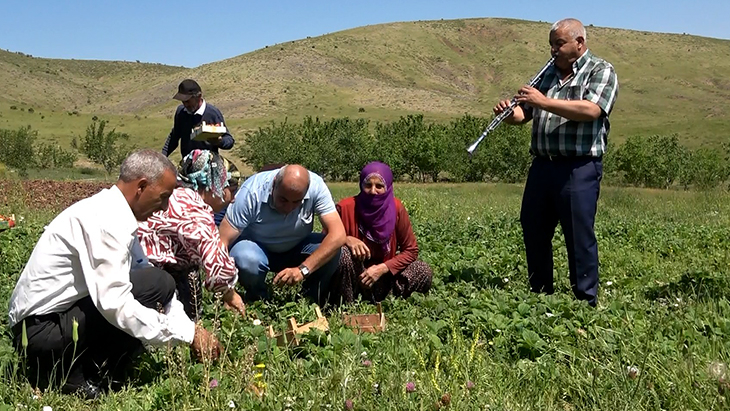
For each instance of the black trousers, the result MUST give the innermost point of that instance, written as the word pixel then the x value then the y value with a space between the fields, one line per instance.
pixel 189 290
pixel 102 350
pixel 562 190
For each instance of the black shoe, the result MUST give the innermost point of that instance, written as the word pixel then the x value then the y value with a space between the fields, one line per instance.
pixel 86 390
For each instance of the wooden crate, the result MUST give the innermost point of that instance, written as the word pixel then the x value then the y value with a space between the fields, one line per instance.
pixel 367 323
pixel 291 336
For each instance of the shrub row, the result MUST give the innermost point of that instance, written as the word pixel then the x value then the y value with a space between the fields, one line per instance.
pixel 416 150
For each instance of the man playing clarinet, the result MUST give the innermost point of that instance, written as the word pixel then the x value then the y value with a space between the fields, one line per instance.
pixel 569 109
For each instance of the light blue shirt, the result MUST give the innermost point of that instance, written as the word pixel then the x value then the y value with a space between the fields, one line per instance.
pixel 254 215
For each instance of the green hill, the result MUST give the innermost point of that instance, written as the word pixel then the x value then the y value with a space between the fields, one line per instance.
pixel 669 83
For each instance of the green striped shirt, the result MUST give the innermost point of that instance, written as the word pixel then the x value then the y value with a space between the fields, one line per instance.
pixel 593 79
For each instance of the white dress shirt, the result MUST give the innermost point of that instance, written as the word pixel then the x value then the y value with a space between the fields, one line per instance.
pixel 89 249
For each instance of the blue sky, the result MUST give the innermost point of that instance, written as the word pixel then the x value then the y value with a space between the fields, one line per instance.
pixel 190 33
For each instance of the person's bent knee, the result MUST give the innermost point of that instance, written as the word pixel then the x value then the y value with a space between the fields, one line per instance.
pixel 152 285
pixel 250 259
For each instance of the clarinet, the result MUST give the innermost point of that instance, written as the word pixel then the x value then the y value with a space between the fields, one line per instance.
pixel 508 111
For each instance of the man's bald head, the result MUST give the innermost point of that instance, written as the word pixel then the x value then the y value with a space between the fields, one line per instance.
pixel 573 27
pixel 290 187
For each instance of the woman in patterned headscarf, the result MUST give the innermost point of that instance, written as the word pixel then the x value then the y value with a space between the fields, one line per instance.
pixel 184 238
pixel 381 253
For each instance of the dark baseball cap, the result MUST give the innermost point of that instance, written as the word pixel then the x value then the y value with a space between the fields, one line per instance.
pixel 188 88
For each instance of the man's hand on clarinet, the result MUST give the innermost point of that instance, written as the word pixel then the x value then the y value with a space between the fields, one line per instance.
pixel 501 106
pixel 531 96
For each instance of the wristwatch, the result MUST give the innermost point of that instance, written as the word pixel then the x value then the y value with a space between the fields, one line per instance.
pixel 305 271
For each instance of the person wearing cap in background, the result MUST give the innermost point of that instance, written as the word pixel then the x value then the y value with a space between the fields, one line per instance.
pixel 193 111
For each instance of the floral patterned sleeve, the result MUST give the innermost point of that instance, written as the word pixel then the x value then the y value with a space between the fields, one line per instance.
pixel 201 240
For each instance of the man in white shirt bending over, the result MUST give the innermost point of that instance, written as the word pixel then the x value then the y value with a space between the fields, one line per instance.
pixel 88 272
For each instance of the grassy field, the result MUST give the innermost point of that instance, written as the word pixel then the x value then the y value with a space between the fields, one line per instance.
pixel 479 339
pixel 670 83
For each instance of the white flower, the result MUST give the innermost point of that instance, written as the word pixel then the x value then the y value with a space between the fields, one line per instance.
pixel 718 370
pixel 47 408
pixel 498 330
pixel 468 218
pixel 505 280
pixel 548 315
pixel 632 371
pixel 364 354
pixel 257 322
pixel 231 404
pixel 609 283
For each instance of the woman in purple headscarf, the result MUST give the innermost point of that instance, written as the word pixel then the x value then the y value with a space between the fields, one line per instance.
pixel 381 253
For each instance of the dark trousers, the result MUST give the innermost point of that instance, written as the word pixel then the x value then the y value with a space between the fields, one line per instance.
pixel 101 351
pixel 189 290
pixel 562 190
pixel 254 262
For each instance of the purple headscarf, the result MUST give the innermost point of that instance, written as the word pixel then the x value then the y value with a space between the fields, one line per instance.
pixel 376 214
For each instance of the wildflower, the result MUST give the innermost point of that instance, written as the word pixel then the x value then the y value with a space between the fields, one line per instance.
pixel 231 404
pixel 410 387
pixel 548 315
pixel 349 405
pixel 632 372
pixel 75 331
pixel 257 322
pixel 213 383
pixel 446 399
pixel 718 370
pixel 364 354
pixel 47 408
pixel 258 375
pixel 260 366
pixel 505 280
pixel 367 363
pixel 609 283
pixel 469 385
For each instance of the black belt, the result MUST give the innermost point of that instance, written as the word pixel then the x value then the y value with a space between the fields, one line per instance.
pixel 565 159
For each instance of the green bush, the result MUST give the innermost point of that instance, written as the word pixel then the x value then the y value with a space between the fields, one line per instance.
pixel 705 169
pixel 277 143
pixel 107 150
pixel 655 161
pixel 17 148
pixel 52 156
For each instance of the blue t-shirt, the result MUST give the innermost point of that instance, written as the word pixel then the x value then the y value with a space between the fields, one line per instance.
pixel 254 215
